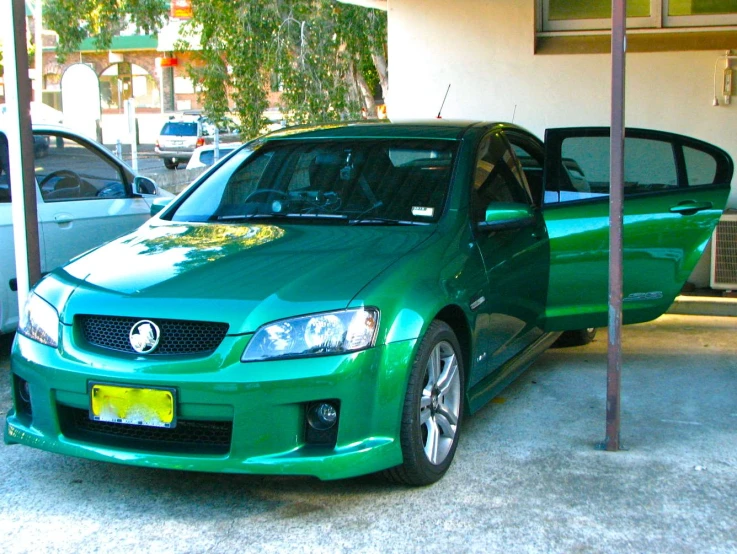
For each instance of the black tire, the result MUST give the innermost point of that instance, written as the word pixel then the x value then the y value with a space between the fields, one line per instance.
pixel 170 164
pixel 443 402
pixel 579 337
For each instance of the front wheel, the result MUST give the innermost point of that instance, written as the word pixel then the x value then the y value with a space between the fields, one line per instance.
pixel 433 409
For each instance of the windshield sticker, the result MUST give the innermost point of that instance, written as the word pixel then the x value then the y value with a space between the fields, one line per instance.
pixel 420 211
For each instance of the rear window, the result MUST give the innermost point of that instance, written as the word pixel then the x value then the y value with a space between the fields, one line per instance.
pixel 180 129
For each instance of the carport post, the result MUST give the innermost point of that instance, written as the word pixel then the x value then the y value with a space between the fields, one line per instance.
pixel 20 148
pixel 616 172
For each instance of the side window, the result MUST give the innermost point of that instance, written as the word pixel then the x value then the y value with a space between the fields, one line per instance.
pixel 701 167
pixel 650 165
pixel 4 171
pixel 67 169
pixel 497 177
pixel 531 158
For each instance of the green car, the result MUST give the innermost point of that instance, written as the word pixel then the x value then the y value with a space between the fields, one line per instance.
pixel 332 301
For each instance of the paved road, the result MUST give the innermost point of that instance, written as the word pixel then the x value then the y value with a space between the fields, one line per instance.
pixel 527 477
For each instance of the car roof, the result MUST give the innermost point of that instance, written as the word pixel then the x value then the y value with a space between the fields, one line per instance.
pixel 440 129
pixel 45 127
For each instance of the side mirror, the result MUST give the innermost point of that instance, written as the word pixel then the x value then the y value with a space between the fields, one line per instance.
pixel 503 216
pixel 144 186
pixel 159 204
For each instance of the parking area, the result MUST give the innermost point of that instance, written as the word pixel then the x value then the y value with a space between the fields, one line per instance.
pixel 527 476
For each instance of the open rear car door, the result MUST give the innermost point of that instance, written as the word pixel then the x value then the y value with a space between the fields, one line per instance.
pixel 674 193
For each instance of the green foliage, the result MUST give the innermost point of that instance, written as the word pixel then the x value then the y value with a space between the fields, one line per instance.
pixel 321 52
pixel 76 20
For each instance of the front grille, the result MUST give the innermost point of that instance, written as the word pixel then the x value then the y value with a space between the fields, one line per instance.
pixel 177 336
pixel 189 436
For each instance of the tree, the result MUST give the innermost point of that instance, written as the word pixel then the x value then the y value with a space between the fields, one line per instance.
pixel 326 58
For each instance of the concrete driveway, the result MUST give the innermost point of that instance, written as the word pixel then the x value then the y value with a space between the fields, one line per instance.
pixel 527 476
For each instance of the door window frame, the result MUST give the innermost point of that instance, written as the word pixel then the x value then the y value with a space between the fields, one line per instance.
pixel 553 172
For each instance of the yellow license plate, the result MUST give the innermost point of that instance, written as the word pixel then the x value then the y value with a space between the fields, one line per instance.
pixel 132 405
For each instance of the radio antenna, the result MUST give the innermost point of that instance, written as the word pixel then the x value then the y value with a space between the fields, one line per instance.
pixel 514 112
pixel 443 104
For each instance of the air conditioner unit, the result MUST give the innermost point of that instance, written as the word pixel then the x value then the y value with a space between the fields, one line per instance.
pixel 724 254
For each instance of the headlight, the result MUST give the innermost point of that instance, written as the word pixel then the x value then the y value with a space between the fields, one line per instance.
pixel 39 321
pixel 315 335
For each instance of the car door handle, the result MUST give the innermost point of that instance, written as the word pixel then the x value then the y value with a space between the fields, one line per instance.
pixel 63 219
pixel 690 207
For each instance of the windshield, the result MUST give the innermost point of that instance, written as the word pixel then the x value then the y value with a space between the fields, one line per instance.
pixel 366 181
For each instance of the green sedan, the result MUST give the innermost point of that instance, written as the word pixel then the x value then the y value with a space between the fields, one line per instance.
pixel 332 301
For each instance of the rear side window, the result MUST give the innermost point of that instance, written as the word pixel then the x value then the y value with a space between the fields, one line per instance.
pixel 701 167
pixel 649 165
pixel 179 129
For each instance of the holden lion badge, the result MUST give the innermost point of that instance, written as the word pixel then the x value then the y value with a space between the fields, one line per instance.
pixel 144 337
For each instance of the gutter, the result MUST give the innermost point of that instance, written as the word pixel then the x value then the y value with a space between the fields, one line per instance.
pixel 374 4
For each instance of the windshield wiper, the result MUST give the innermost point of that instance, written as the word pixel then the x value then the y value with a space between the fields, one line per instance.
pixel 385 221
pixel 282 216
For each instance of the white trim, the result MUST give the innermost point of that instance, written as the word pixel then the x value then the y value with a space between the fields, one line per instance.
pixel 658 19
pixel 644 31
pixel 597 24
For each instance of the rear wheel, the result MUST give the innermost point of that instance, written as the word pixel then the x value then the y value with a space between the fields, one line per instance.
pixel 433 409
pixel 576 338
pixel 170 164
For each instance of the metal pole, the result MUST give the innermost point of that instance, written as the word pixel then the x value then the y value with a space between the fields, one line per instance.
pixel 130 108
pixel 20 148
pixel 216 154
pixel 616 196
pixel 38 24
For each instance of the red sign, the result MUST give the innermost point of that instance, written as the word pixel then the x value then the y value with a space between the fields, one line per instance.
pixel 181 9
pixel 169 62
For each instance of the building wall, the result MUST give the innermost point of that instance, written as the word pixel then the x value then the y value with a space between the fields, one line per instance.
pixel 485 50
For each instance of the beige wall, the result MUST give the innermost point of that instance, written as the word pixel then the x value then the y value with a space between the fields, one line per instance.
pixel 485 50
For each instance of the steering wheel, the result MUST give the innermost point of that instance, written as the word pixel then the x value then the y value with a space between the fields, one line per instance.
pixel 265 191
pixel 61 174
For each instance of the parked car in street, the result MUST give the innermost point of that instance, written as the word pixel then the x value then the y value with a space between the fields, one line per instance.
pixel 85 197
pixel 333 301
pixel 181 135
pixel 40 113
pixel 204 156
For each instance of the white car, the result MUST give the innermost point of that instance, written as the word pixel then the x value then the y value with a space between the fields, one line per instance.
pixel 85 197
pixel 204 156
pixel 40 113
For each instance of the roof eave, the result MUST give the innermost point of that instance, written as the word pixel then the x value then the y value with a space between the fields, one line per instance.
pixel 375 4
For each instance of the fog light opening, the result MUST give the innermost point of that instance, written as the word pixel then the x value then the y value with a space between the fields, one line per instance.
pixel 24 391
pixel 22 396
pixel 321 416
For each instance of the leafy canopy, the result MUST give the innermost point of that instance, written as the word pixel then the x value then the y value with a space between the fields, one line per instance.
pixel 326 58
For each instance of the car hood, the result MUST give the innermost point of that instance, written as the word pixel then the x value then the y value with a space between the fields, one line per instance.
pixel 244 275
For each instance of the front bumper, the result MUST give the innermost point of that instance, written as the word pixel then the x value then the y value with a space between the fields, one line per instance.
pixel 263 404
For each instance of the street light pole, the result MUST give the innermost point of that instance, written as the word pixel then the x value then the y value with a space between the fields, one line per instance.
pixel 20 147
pixel 616 197
pixel 39 52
